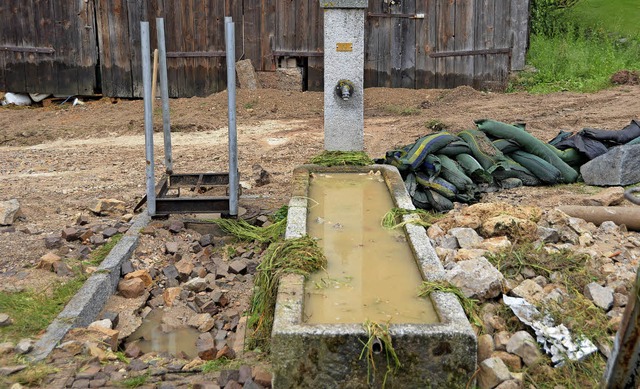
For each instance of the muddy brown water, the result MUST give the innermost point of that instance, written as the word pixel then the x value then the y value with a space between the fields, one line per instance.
pixel 371 272
pixel 152 337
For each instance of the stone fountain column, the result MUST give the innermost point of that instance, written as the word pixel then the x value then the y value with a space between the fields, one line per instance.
pixel 343 74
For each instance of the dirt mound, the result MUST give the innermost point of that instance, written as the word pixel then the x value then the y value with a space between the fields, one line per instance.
pixel 626 77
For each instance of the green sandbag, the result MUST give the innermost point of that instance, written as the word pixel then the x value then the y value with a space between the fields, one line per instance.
pixel 529 143
pixel 421 200
pixel 634 142
pixel 511 169
pixel 451 172
pixel 482 149
pixel 473 169
pixel 454 148
pixel 426 145
pixel 411 184
pixel 438 201
pixel 571 156
pixel 507 146
pixel 546 172
pixel 438 184
pixel 431 166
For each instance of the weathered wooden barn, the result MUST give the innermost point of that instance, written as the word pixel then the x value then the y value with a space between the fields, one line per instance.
pixel 84 47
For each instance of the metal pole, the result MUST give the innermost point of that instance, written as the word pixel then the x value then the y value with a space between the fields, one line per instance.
pixel 164 93
pixel 148 117
pixel 231 99
pixel 623 367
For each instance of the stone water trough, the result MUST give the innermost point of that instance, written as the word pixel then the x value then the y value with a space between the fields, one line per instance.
pixel 440 354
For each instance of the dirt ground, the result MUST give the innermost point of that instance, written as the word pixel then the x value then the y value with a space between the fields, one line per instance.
pixel 56 160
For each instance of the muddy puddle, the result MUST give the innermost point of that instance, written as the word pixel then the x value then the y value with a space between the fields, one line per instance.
pixel 371 272
pixel 150 336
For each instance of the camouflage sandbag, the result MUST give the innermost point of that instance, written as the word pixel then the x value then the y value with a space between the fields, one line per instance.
pixel 482 149
pixel 431 166
pixel 454 148
pixel 473 169
pixel 438 201
pixel 543 170
pixel 529 143
pixel 426 145
pixel 437 184
pixel 507 146
pixel 571 156
pixel 421 200
pixel 411 184
pixel 451 172
pixel 511 169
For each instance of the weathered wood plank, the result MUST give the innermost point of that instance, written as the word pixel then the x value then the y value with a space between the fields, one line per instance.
pixel 30 38
pixel 88 52
pixel 425 44
pixel 519 27
pixel 268 30
pixel 464 41
pixel 371 36
pixel 501 64
pixel 117 28
pixel 408 31
pixel 253 37
pixel 483 40
pixel 66 55
pixel 445 41
pixel 15 70
pixel 136 12
pixel 218 69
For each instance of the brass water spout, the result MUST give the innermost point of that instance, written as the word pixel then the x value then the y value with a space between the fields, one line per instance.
pixel 345 89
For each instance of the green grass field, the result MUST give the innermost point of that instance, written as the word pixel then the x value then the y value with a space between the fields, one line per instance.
pixel 584 48
pixel 618 16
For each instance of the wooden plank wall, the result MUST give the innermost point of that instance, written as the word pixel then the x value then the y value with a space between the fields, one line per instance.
pixel 48 46
pixel 415 44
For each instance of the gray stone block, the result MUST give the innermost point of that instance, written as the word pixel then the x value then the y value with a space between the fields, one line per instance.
pixel 344 120
pixel 620 166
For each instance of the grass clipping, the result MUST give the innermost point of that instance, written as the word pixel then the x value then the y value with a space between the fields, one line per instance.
pixel 248 232
pixel 342 158
pixel 421 217
pixel 469 306
pixel 298 256
pixel 379 340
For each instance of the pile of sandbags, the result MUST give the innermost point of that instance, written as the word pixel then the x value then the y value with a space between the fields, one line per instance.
pixel 441 168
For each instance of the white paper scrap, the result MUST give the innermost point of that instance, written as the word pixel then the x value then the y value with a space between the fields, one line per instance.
pixel 555 340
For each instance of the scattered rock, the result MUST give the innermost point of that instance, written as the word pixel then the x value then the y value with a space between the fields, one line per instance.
pixel 529 290
pixel 247 77
pixel 131 288
pixel 206 348
pixel 524 345
pixel 477 278
pixel 6 348
pixel 197 284
pixel 170 295
pixel 171 247
pixel 238 266
pixel 601 296
pixel 104 323
pixel 606 197
pixel 492 373
pixel 24 346
pixel 9 212
pixel 108 207
pixel 142 275
pixel 47 261
pixel 510 226
pixel 486 347
pixel 620 166
pixel 260 176
pixel 5 320
pixel 467 238
pixel 8 370
pixel 262 376
pixel 71 234
pixel 52 242
pixel 513 362
pixel 175 226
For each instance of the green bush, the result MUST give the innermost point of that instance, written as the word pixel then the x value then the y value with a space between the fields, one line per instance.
pixel 548 17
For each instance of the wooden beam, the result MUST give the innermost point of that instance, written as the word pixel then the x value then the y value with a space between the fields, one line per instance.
pixel 463 53
pixel 16 49
pixel 195 54
pixel 298 53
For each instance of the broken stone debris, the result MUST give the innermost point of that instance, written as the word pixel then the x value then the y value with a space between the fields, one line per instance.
pixel 620 166
pixel 9 212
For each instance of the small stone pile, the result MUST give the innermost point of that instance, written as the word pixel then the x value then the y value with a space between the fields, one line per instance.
pixel 467 235
pixel 74 243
